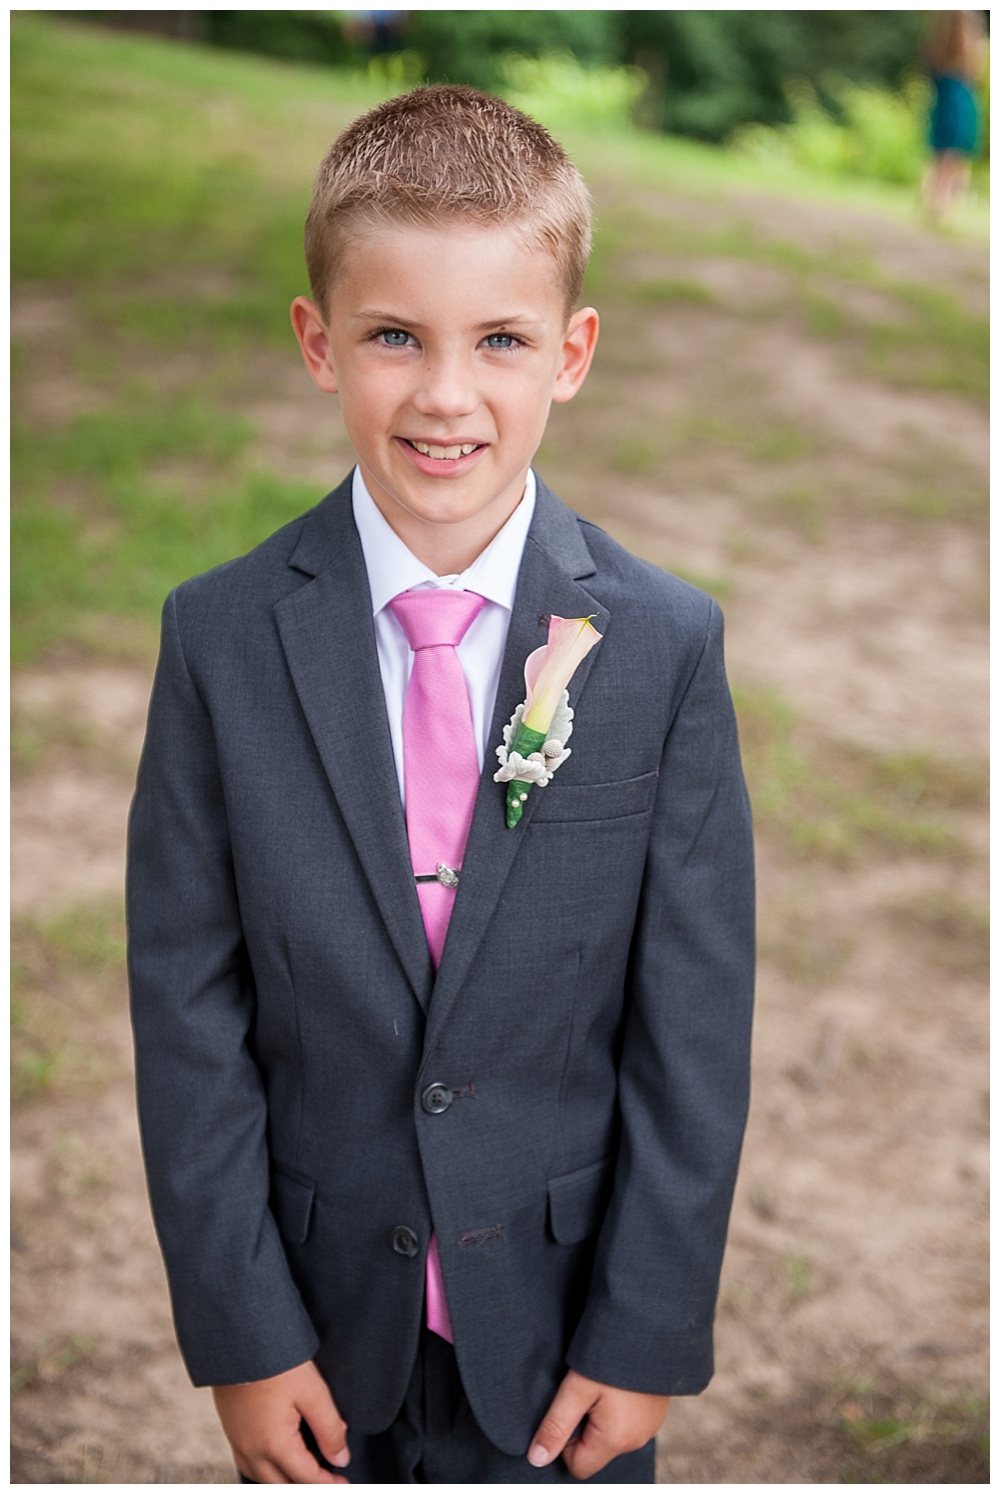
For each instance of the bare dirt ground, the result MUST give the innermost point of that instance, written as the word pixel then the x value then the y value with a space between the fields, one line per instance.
pixel 851 1339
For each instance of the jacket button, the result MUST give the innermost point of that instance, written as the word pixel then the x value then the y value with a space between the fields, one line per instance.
pixel 404 1241
pixel 436 1098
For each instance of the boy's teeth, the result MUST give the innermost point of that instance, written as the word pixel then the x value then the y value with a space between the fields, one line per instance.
pixel 444 453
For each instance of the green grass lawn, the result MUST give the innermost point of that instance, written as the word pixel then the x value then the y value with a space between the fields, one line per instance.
pixel 159 193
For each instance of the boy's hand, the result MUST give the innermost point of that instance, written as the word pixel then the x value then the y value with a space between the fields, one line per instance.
pixel 618 1421
pixel 261 1421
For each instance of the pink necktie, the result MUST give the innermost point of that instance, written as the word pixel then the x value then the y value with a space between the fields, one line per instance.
pixel 441 773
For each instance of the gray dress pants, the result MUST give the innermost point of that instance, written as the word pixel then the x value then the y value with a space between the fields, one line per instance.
pixel 435 1439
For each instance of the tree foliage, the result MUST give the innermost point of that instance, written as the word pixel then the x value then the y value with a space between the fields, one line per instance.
pixel 710 71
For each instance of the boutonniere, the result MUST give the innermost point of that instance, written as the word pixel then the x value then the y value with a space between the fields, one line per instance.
pixel 534 740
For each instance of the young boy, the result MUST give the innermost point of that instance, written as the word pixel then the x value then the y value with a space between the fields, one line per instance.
pixel 441 1103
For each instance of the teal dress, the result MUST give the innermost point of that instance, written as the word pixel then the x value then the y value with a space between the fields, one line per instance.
pixel 955 115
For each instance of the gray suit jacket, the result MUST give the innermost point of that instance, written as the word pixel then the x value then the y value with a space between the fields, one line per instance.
pixel 591 1014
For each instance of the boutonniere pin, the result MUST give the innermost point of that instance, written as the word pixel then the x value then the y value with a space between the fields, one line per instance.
pixel 534 740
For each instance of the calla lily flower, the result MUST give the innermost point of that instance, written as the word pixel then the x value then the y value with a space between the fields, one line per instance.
pixel 548 671
pixel 534 744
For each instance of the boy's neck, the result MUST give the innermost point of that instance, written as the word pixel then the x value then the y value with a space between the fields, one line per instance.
pixel 447 549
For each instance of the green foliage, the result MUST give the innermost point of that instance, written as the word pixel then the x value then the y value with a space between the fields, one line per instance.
pixel 708 71
pixel 314 36
pixel 713 70
pixel 470 46
pixel 556 90
pixel 875 132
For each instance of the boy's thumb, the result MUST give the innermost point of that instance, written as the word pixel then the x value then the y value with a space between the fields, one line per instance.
pixel 572 1401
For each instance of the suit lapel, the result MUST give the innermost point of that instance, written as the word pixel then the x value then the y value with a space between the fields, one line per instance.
pixel 554 557
pixel 328 636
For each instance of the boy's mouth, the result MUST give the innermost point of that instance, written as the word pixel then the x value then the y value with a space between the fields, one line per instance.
pixel 444 453
pixel 435 459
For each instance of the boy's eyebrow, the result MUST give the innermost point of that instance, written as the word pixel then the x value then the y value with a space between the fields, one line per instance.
pixel 522 318
pixel 373 314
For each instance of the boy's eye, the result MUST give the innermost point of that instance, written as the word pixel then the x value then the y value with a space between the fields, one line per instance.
pixel 500 340
pixel 394 337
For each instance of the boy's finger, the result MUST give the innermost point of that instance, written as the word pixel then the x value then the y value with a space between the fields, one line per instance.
pixel 298 1466
pixel 572 1401
pixel 326 1424
pixel 589 1453
pixel 263 1471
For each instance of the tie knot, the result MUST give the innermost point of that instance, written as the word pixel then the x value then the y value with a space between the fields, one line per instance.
pixel 434 616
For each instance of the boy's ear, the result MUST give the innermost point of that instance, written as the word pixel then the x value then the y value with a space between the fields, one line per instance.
pixel 314 340
pixel 579 342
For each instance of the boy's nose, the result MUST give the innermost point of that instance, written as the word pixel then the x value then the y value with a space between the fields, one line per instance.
pixel 446 391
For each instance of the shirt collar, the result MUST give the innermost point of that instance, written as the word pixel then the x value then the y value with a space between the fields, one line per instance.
pixel 392 568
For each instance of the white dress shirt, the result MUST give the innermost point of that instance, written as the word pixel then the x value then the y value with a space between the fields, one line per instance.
pixel 493 574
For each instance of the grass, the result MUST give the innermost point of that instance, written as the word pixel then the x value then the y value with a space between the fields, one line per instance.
pixel 930 340
pixel 50 1360
pixel 909 1433
pixel 59 966
pixel 160 194
pixel 838 802
pixel 163 490
pixel 799 1278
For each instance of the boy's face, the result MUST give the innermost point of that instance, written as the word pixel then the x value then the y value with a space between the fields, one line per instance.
pixel 447 345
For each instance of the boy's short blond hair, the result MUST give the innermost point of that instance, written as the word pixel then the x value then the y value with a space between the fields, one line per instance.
pixel 445 152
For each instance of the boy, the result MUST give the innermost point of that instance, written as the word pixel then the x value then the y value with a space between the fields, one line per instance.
pixel 441 1115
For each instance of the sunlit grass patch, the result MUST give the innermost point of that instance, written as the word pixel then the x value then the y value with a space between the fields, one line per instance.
pixel 131 155
pixel 839 802
pixel 168 493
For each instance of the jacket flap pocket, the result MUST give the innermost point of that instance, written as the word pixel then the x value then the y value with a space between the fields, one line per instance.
pixel 577 1202
pixel 595 801
pixel 292 1205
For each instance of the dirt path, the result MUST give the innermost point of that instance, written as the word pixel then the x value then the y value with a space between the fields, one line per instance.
pixel 830 511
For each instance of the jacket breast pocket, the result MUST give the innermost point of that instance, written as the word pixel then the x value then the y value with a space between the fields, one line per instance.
pixel 577 1201
pixel 292 1199
pixel 595 801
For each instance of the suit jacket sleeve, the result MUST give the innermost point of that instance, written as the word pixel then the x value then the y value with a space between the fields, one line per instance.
pixel 202 1106
pixel 684 1073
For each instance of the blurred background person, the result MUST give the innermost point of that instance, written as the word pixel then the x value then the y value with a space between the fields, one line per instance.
pixel 955 55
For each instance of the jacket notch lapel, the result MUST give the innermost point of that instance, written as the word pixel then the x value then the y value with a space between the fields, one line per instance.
pixel 544 588
pixel 328 637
